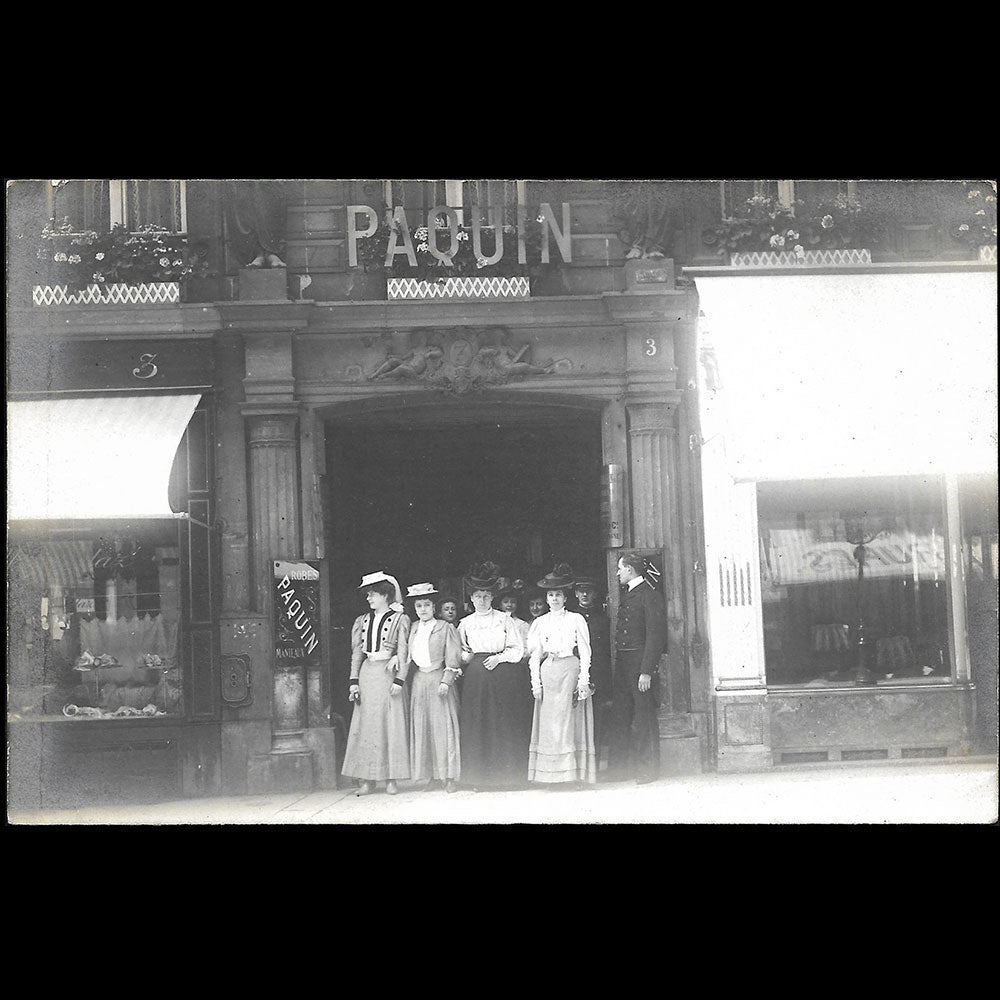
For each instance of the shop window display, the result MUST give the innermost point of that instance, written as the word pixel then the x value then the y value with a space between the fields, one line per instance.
pixel 94 620
pixel 847 558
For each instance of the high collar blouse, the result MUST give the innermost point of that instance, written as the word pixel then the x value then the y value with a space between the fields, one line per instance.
pixel 490 633
pixel 556 634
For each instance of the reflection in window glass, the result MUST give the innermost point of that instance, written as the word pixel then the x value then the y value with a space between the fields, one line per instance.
pixel 840 552
pixel 97 617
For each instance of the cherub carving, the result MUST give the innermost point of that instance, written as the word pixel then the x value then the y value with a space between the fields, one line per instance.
pixel 406 362
pixel 496 352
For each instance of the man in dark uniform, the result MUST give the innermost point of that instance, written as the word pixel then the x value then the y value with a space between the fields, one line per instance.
pixel 640 641
pixel 600 656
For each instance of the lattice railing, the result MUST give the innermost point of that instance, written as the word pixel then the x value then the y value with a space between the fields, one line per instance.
pixel 781 258
pixel 152 294
pixel 477 288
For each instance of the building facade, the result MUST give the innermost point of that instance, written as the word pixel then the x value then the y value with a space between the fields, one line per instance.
pixel 203 470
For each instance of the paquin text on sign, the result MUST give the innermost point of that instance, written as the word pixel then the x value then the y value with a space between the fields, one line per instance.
pixel 297 596
pixel 401 240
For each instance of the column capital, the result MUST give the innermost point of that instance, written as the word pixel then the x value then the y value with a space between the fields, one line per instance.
pixel 651 418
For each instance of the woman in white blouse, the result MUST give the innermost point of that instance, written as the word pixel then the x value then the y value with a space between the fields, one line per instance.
pixel 562 747
pixel 495 713
pixel 435 664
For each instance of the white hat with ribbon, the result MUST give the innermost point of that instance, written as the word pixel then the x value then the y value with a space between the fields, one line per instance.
pixel 370 578
pixel 421 590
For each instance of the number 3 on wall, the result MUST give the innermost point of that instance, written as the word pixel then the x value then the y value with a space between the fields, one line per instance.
pixel 650 346
pixel 146 367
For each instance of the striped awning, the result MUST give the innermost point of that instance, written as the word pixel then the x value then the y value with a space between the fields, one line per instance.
pixel 58 564
pixel 98 457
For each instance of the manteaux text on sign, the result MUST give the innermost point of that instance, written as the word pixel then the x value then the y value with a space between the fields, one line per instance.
pixel 296 612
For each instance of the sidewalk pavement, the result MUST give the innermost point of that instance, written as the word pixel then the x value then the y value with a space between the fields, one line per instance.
pixel 940 791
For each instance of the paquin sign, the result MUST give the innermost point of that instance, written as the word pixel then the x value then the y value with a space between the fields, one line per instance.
pixel 296 612
pixel 401 242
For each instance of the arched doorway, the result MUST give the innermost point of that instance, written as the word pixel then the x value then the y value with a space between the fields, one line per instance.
pixel 422 487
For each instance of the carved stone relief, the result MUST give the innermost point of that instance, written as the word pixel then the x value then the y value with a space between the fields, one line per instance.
pixel 459 361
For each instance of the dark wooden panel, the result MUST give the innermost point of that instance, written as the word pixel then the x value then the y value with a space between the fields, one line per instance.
pixel 203 673
pixel 198 451
pixel 199 563
pixel 108 364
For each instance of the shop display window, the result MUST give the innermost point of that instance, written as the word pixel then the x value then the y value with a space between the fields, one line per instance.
pixel 94 617
pixel 843 559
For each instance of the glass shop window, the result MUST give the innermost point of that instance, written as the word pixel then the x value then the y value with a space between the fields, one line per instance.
pixel 843 559
pixel 93 618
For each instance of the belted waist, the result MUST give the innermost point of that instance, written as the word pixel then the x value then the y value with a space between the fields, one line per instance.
pixel 427 670
pixel 380 655
pixel 483 652
pixel 561 656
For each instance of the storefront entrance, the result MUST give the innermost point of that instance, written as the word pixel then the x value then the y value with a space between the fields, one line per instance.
pixel 425 491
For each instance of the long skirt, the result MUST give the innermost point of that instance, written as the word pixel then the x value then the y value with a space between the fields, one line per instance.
pixel 562 734
pixel 378 744
pixel 495 723
pixel 434 741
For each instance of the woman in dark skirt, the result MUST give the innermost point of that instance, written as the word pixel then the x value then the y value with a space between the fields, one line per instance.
pixel 496 693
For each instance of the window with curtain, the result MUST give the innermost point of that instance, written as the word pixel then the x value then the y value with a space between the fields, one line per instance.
pixel 101 204
pixel 490 197
pixel 838 552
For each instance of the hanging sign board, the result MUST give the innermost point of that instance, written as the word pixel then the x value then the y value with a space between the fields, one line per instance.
pixel 296 613
pixel 613 506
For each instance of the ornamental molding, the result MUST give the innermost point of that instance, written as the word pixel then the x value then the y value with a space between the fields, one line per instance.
pixel 457 361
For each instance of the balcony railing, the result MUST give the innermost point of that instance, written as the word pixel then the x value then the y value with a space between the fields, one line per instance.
pixel 148 294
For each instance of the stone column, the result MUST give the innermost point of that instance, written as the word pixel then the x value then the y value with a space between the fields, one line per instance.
pixel 275 533
pixel 653 447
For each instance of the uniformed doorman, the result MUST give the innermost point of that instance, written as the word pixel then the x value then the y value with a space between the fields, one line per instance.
pixel 640 641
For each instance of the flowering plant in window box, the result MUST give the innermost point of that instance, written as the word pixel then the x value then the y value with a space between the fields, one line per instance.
pixel 465 262
pixel 979 227
pixel 767 225
pixel 151 254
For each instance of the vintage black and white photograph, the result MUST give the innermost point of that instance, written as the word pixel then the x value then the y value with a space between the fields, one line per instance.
pixel 502 502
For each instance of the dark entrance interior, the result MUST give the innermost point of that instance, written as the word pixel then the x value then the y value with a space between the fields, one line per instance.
pixel 423 492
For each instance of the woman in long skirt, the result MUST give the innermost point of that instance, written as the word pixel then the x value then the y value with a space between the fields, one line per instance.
pixel 378 744
pixel 435 664
pixel 562 728
pixel 495 716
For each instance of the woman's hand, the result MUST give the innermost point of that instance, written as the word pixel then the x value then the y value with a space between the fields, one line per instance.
pixel 537 693
pixel 395 689
pixel 491 661
pixel 583 692
pixel 645 682
pixel 392 664
pixel 355 693
pixel 443 690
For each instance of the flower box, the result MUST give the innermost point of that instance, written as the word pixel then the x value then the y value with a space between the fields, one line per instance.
pixel 150 294
pixel 462 288
pixel 785 258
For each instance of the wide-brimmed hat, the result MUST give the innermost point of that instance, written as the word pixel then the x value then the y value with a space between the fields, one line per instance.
pixel 515 588
pixel 560 578
pixel 483 576
pixel 587 582
pixel 421 590
pixel 379 577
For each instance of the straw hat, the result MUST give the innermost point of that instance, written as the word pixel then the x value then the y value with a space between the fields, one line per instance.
pixel 370 578
pixel 421 590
